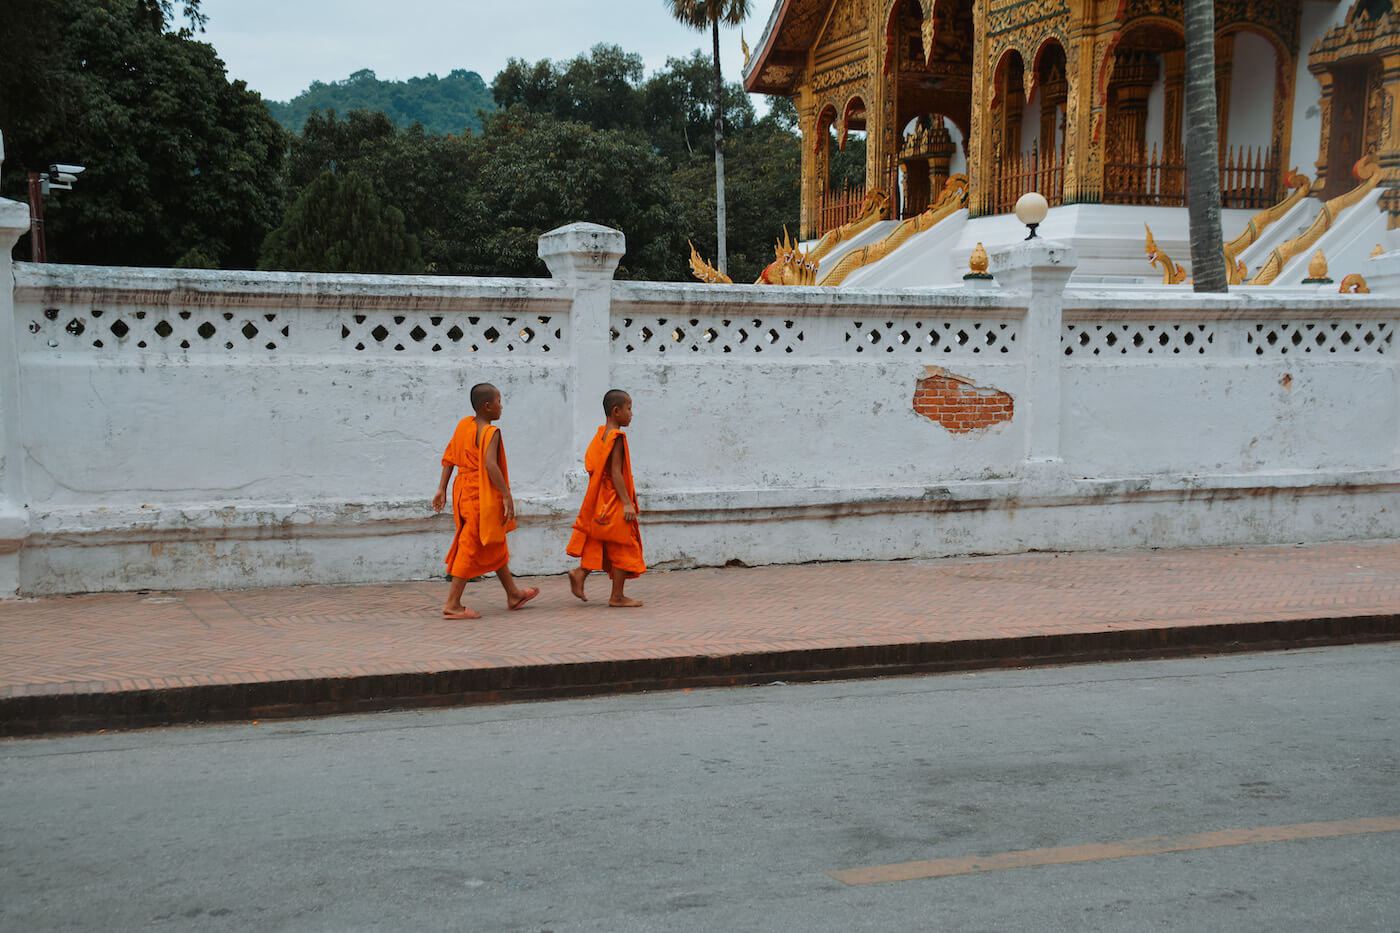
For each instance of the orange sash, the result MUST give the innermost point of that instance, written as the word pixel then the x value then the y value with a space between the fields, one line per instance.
pixel 492 526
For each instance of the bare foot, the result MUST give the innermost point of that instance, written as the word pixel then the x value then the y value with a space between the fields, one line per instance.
pixel 526 595
pixel 624 602
pixel 461 612
pixel 576 578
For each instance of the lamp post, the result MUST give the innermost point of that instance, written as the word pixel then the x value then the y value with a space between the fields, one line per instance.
pixel 1031 209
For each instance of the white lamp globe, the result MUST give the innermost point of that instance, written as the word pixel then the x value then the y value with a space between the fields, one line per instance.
pixel 1031 209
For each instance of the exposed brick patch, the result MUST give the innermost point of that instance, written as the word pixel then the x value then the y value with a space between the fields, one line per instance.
pixel 958 403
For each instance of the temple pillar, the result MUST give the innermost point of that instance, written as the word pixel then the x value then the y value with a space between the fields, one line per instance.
pixel 1083 161
pixel 981 125
pixel 814 166
pixel 1388 153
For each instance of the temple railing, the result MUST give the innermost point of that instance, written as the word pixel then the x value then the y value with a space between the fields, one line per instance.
pixel 1249 179
pixel 840 206
pixel 1028 171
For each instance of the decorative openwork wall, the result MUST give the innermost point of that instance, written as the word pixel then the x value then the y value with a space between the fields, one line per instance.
pixel 188 428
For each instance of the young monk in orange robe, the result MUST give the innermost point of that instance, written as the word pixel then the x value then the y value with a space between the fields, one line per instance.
pixel 606 536
pixel 481 505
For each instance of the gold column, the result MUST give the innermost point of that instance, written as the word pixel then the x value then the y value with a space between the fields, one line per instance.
pixel 1083 164
pixel 1388 153
pixel 980 148
pixel 814 164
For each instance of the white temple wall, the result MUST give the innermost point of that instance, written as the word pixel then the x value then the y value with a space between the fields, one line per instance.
pixel 1305 149
pixel 1252 92
pixel 835 427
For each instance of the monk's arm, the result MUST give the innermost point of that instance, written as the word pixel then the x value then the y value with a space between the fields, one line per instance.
pixel 629 508
pixel 440 499
pixel 498 479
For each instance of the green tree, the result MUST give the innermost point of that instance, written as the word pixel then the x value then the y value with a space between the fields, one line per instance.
pixel 763 172
pixel 1208 271
pixel 538 172
pixel 599 88
pixel 678 107
pixel 442 105
pixel 429 177
pixel 339 225
pixel 703 14
pixel 177 156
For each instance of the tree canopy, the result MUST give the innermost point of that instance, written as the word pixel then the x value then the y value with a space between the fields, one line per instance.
pixel 177 156
pixel 338 224
pixel 442 105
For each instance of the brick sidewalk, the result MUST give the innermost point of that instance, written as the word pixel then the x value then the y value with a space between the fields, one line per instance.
pixel 130 659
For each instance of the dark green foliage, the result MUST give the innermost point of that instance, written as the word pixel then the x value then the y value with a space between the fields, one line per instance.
pixel 599 89
pixel 762 167
pixel 442 105
pixel 538 172
pixel 178 157
pixel 339 225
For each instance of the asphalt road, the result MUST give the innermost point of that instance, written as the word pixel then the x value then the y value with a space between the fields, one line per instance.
pixel 726 809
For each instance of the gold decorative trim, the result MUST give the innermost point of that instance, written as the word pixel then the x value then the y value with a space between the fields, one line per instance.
pixel 952 200
pixel 874 210
pixel 1354 284
pixel 705 272
pixel 1301 186
pixel 1367 169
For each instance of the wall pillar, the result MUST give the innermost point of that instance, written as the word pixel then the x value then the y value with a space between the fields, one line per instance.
pixel 1038 272
pixel 583 257
pixel 14 511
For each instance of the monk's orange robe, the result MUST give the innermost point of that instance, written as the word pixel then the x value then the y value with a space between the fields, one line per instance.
pixel 479 546
pixel 601 539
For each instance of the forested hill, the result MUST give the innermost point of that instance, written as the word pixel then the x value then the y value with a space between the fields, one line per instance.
pixel 442 105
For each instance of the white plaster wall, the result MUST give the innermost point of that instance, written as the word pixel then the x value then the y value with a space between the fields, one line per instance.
pixel 1318 17
pixel 1252 93
pixel 163 466
pixel 1155 129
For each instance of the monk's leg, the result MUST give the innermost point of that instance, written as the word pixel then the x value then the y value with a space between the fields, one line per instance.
pixel 453 608
pixel 619 579
pixel 576 578
pixel 515 596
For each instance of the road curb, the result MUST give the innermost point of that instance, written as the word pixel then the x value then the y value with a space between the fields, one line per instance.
pixel 50 713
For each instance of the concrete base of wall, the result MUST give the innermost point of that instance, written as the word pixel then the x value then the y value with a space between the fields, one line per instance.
pixel 280 545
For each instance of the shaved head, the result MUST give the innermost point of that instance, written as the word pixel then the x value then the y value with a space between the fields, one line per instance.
pixel 482 393
pixel 614 398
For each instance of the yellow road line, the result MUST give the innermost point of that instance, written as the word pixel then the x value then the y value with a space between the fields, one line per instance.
pixel 1152 845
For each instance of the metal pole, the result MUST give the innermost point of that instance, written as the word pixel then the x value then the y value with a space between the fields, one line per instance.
pixel 36 219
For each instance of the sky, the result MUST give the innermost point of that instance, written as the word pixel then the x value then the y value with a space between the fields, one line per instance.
pixel 280 46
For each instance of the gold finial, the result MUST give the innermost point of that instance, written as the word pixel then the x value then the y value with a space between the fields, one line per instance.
pixel 977 262
pixel 1377 251
pixel 1317 266
pixel 745 46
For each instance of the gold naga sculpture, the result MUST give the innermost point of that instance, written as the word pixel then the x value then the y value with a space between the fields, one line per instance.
pixel 790 266
pixel 1302 187
pixel 1172 273
pixel 952 199
pixel 1368 170
pixel 705 272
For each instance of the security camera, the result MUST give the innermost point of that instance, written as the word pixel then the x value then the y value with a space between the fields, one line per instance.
pixel 62 168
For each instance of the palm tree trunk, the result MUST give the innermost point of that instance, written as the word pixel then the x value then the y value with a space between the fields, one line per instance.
pixel 719 157
pixel 1203 151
